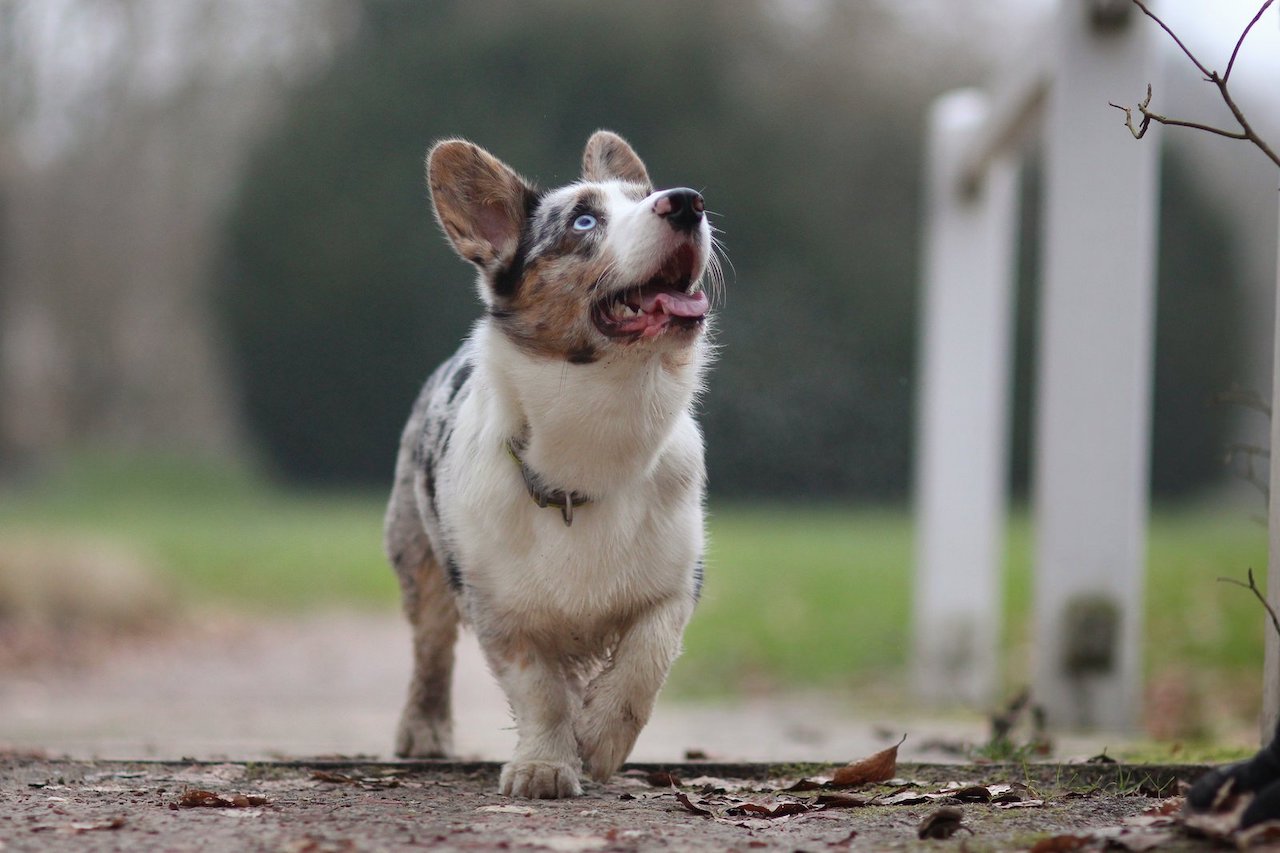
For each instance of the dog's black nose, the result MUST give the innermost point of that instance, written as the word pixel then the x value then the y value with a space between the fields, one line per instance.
pixel 681 207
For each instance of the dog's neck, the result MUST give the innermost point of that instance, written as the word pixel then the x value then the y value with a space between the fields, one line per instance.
pixel 591 428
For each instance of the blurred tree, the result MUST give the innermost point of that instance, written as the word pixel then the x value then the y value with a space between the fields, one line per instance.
pixel 802 131
pixel 122 126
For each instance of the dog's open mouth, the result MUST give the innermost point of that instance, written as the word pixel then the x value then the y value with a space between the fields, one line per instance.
pixel 661 302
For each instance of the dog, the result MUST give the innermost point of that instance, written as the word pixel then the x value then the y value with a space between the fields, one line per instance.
pixel 550 482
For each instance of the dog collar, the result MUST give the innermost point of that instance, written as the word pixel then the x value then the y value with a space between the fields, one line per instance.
pixel 544 497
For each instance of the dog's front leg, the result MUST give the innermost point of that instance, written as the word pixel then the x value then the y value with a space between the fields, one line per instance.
pixel 619 700
pixel 542 697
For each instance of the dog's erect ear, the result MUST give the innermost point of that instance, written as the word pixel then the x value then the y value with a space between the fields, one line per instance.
pixel 480 202
pixel 608 157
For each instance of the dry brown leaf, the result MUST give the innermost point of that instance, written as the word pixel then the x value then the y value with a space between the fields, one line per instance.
pixel 195 798
pixel 780 810
pixel 875 768
pixel 663 779
pixel 1018 804
pixel 1171 806
pixel 942 822
pixel 906 798
pixel 684 800
pixel 1061 844
pixel 970 794
pixel 842 801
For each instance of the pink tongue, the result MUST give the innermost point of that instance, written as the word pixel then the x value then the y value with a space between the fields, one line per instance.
pixel 675 304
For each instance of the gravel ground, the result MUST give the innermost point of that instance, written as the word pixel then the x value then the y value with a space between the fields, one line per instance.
pixel 301 807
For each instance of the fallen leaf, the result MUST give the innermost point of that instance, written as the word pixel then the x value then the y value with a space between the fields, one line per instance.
pixel 970 794
pixel 1171 806
pixel 688 804
pixel 195 798
pixel 903 798
pixel 780 810
pixel 366 782
pixel 313 844
pixel 942 822
pixel 804 785
pixel 1013 793
pixel 695 755
pixel 1061 844
pixel 841 801
pixel 663 779
pixel 1019 804
pixel 112 824
pixel 875 768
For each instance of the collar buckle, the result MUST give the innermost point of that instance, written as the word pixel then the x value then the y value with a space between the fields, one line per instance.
pixel 560 499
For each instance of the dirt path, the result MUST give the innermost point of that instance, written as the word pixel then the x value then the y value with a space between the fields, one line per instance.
pixel 53 806
pixel 333 684
pixel 220 704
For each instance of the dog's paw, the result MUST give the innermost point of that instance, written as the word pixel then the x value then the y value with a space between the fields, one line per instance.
pixel 539 780
pixel 605 740
pixel 419 737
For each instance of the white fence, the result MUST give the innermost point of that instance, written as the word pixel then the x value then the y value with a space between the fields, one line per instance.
pixel 1093 386
pixel 1094 371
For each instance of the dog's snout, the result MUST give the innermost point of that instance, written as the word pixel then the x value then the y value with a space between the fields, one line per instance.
pixel 681 207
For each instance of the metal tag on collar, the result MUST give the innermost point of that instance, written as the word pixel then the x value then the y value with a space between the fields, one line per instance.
pixel 566 511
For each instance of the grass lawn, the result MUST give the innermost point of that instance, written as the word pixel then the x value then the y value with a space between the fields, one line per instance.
pixel 795 596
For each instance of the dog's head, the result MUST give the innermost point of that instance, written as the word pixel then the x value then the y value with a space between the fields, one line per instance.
pixel 578 272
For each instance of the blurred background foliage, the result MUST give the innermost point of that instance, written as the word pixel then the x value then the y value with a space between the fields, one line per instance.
pixel 339 295
pixel 216 245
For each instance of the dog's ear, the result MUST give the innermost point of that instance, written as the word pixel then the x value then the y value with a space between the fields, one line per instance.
pixel 480 202
pixel 608 157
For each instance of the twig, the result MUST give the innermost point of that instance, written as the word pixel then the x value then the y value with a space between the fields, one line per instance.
pixel 1152 15
pixel 1246 131
pixel 1232 62
pixel 1252 586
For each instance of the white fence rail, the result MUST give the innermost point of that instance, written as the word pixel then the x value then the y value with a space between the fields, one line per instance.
pixel 1093 391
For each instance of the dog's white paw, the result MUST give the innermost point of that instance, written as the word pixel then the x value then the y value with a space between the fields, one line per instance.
pixel 420 737
pixel 605 740
pixel 539 780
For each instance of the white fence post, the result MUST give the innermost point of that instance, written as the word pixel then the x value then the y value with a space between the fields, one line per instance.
pixel 962 456
pixel 1093 394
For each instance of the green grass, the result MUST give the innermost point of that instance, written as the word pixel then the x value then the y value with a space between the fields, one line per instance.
pixel 220 536
pixel 795 596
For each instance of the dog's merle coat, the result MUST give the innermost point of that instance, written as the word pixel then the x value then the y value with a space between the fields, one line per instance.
pixel 579 380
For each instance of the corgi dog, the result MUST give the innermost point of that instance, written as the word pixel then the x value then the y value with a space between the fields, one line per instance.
pixel 550 481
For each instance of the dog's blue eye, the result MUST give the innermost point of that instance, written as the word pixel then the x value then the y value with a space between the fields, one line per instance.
pixel 585 222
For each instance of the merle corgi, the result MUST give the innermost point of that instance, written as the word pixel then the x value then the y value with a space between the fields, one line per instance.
pixel 550 481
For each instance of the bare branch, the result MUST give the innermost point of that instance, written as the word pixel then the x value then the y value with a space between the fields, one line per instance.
pixel 1245 127
pixel 1232 62
pixel 1152 15
pixel 1207 128
pixel 1252 586
pixel 1246 131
